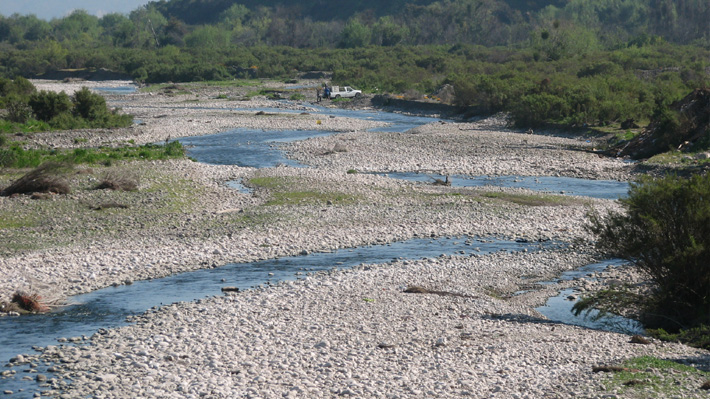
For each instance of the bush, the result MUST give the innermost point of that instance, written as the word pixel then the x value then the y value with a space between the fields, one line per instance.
pixel 18 111
pixel 666 233
pixel 46 104
pixel 88 105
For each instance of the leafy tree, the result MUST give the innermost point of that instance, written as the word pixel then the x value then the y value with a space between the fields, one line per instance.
pixel 148 23
pixel 235 16
pixel 174 33
pixel 208 37
pixel 117 29
pixel 386 32
pixel 665 232
pixel 79 26
pixel 355 34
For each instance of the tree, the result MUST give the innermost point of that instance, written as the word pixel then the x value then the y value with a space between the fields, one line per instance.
pixel 665 232
pixel 387 32
pixel 79 26
pixel 354 35
pixel 208 36
pixel 117 29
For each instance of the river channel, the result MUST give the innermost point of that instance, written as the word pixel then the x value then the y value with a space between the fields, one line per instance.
pixel 109 307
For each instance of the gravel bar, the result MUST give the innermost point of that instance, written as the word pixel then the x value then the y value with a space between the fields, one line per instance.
pixel 350 333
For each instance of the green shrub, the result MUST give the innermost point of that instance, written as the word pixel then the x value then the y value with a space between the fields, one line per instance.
pixel 67 121
pixel 47 105
pixel 698 337
pixel 18 110
pixel 88 105
pixel 665 232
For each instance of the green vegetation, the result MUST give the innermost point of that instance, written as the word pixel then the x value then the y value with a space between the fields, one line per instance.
pixel 14 156
pixel 162 201
pixel 665 232
pixel 573 63
pixel 698 336
pixel 29 111
pixel 647 376
pixel 286 191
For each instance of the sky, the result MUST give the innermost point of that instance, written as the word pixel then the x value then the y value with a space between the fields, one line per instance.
pixel 48 9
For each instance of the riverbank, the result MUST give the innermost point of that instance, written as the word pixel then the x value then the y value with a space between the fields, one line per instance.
pixel 351 333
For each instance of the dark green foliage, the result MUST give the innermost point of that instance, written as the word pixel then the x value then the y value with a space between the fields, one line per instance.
pixel 88 105
pixel 698 337
pixel 684 125
pixel 18 111
pixel 597 63
pixel 47 104
pixel 666 233
pixel 84 109
pixel 18 87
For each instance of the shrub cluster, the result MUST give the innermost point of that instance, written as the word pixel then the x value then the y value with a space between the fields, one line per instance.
pixel 665 232
pixel 29 110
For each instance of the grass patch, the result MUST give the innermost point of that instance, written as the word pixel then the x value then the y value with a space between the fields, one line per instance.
pixel 13 220
pixel 648 376
pixel 297 97
pixel 287 191
pixel 123 180
pixel 17 157
pixel 162 203
pixel 676 157
pixel 533 199
pixel 268 182
pixel 261 92
pixel 30 126
pixel 698 337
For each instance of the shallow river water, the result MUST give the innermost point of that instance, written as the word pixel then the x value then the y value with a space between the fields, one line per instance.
pixel 109 307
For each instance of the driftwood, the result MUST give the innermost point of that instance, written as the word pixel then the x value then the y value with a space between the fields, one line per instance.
pixel 413 289
pixel 439 182
pixel 612 369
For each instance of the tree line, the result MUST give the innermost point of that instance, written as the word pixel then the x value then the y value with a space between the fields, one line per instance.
pixel 347 24
pixel 579 62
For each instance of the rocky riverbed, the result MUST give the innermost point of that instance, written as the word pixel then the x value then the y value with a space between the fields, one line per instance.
pixel 352 333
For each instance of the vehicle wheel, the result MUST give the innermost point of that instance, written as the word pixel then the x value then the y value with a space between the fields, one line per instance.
pixel 337 96
pixel 357 95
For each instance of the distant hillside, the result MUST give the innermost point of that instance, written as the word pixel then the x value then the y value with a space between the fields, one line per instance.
pixel 207 11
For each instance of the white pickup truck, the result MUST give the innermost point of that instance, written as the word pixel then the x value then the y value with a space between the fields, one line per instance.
pixel 344 92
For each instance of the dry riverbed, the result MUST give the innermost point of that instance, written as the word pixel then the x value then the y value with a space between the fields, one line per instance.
pixel 351 333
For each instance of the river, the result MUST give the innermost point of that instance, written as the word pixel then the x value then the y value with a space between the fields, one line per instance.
pixel 109 307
